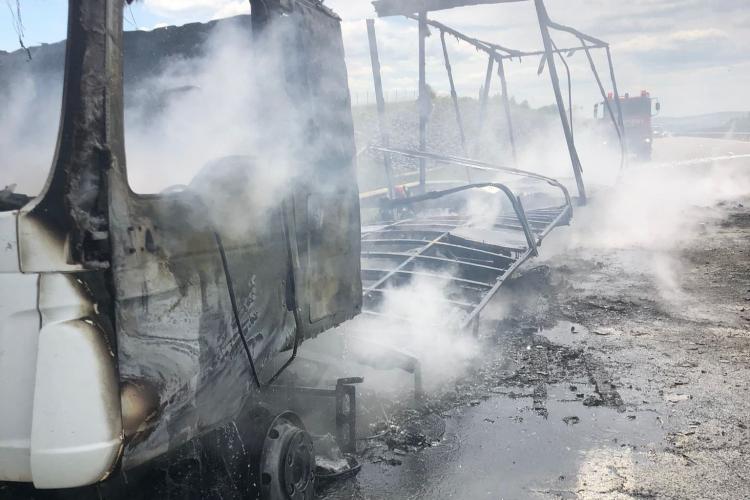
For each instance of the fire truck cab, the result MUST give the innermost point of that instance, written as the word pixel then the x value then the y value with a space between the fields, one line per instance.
pixel 636 120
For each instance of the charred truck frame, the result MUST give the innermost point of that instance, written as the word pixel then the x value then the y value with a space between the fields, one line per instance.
pixel 497 54
pixel 141 338
pixel 425 229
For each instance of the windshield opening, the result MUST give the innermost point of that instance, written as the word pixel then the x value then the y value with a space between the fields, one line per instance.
pixel 31 81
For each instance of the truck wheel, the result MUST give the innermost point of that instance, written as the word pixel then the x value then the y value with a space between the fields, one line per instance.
pixel 287 462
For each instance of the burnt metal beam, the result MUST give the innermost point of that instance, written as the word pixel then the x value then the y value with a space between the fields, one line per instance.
pixel 429 257
pixel 477 43
pixel 483 98
pixel 515 203
pixel 400 7
pixel 544 21
pixel 424 99
pixel 500 50
pixel 479 165
pixel 607 105
pixel 575 33
pixel 506 107
pixel 454 98
pixel 403 264
pixel 531 53
pixel 463 248
pixel 73 208
pixel 616 97
pixel 380 102
pixel 570 83
pixel 400 270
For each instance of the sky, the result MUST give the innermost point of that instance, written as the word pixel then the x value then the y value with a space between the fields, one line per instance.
pixel 691 54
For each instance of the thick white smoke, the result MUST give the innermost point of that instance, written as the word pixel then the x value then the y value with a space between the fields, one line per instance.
pixel 28 130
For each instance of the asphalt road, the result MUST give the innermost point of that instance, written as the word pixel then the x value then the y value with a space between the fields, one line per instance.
pixel 616 365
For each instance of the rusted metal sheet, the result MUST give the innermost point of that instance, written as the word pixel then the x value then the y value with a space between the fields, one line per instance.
pixel 401 7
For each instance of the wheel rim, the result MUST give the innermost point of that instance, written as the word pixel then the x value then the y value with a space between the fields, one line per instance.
pixel 287 461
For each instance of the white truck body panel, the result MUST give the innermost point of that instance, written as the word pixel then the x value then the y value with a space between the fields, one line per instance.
pixel 60 422
pixel 19 334
pixel 76 431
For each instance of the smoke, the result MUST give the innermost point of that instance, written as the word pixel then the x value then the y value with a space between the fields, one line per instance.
pixel 415 319
pixel 178 121
pixel 28 130
pixel 654 211
pixel 183 120
pixel 199 110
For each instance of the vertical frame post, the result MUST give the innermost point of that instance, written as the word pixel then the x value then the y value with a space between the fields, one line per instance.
pixel 607 104
pixel 617 99
pixel 454 98
pixel 543 18
pixel 483 98
pixel 346 414
pixel 423 98
pixel 506 105
pixel 380 101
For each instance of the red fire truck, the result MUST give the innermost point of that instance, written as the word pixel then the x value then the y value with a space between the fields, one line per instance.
pixel 636 116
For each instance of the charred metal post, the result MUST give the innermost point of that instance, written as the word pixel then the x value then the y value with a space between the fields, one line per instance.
pixel 550 57
pixel 73 206
pixel 423 97
pixel 346 413
pixel 570 85
pixel 596 43
pixel 380 101
pixel 454 98
pixel 344 396
pixel 607 105
pixel 617 98
pixel 506 105
pixel 484 97
pixel 418 386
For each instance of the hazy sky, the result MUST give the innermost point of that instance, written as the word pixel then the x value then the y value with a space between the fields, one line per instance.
pixel 692 54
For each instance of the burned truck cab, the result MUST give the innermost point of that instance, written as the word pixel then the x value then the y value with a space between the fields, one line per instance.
pixel 133 326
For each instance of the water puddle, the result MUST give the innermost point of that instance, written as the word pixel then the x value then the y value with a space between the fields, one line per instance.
pixel 503 449
pixel 567 334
